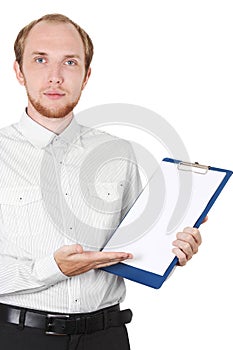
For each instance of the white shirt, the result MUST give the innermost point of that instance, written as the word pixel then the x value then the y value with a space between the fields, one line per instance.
pixel 59 190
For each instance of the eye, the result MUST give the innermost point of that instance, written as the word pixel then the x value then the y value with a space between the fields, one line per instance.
pixel 40 60
pixel 71 63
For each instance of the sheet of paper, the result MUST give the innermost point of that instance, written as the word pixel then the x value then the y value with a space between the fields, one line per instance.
pixel 184 193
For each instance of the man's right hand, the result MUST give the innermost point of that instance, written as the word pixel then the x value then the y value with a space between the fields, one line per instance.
pixel 72 260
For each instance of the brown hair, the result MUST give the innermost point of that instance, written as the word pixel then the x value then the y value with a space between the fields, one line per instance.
pixel 55 17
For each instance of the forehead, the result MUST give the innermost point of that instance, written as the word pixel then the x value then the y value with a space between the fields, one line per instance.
pixel 50 36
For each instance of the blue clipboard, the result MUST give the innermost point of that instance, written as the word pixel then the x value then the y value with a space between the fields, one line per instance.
pixel 156 280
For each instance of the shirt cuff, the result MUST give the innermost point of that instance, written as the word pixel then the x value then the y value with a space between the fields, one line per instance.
pixel 47 271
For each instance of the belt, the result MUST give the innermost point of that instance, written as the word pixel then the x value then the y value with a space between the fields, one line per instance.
pixel 65 324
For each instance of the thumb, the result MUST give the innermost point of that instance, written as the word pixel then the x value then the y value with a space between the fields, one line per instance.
pixel 74 249
pixel 77 249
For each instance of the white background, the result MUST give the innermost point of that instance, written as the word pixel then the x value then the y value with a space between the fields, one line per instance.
pixel 175 58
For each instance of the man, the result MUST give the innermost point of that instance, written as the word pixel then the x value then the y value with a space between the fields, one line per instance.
pixel 64 188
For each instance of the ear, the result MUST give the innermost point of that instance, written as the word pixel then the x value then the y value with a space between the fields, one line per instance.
pixel 86 78
pixel 19 74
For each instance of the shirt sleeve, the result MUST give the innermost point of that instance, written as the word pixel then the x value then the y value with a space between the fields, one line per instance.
pixel 22 275
pixel 134 184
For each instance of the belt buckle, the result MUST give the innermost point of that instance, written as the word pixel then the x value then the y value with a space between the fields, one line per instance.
pixel 50 324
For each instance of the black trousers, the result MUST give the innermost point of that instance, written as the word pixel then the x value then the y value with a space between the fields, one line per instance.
pixel 14 338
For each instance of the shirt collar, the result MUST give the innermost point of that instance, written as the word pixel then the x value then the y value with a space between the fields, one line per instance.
pixel 41 137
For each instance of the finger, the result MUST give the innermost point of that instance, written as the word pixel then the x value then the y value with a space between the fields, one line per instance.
pixel 121 256
pixel 114 255
pixel 188 239
pixel 195 233
pixel 105 257
pixel 184 247
pixel 180 255
pixel 114 258
pixel 205 219
pixel 109 263
pixel 113 261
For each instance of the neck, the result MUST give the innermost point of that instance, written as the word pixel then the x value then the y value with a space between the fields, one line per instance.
pixel 56 125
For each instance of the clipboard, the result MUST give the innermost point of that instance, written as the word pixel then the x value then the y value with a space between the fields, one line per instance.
pixel 191 190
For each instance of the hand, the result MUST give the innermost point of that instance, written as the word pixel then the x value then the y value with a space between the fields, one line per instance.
pixel 186 244
pixel 72 260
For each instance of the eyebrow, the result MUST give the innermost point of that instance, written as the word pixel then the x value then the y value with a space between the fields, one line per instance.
pixel 40 53
pixel 73 56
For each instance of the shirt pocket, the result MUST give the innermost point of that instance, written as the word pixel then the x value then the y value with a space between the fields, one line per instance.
pixel 104 203
pixel 107 192
pixel 18 207
pixel 105 197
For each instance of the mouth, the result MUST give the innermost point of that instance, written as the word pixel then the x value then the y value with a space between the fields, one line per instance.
pixel 54 95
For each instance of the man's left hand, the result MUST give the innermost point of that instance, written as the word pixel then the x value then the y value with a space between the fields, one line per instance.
pixel 186 244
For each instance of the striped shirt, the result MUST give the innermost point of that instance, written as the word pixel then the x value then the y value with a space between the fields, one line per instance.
pixel 58 190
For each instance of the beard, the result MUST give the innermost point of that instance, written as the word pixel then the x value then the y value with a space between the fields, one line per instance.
pixel 52 112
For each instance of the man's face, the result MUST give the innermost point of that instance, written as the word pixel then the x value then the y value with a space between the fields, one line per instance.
pixel 53 70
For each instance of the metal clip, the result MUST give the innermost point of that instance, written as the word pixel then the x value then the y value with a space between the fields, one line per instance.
pixel 194 167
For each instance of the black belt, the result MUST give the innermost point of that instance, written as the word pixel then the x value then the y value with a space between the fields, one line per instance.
pixel 65 324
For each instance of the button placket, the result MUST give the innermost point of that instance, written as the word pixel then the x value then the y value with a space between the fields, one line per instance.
pixel 59 154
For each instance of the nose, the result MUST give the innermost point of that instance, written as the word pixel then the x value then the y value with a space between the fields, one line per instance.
pixel 55 80
pixel 55 76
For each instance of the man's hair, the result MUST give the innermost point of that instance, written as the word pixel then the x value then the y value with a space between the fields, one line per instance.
pixel 56 18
